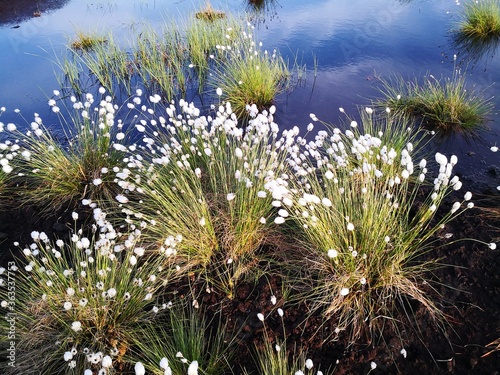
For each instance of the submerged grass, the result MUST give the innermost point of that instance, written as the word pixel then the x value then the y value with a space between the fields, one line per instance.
pixel 202 39
pixel 87 41
pixel 445 104
pixel 107 62
pixel 163 62
pixel 209 14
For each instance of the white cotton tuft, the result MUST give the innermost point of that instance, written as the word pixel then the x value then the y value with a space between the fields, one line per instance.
pixel 139 369
pixel 193 368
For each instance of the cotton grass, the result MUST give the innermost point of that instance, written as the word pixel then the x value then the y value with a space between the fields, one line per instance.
pixel 205 180
pixel 209 198
pixel 81 303
pixel 362 248
pixel 249 75
pixel 55 172
pixel 186 341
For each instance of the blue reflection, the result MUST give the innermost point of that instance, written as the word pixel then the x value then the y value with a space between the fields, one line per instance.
pixel 346 45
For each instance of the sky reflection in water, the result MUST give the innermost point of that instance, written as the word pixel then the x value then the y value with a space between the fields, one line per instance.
pixel 352 43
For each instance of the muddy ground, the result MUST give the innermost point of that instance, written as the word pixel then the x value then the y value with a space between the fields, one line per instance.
pixel 469 286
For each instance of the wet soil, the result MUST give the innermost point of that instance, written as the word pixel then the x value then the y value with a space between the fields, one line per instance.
pixel 468 285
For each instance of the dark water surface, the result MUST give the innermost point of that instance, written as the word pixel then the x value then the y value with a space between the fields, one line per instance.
pixel 345 44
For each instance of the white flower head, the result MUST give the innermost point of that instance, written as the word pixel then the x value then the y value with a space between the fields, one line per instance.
pixel 76 326
pixel 106 362
pixel 139 369
pixel 344 291
pixel 164 363
pixel 279 220
pixel 193 368
pixel 238 152
pixel 122 199
pixel 309 364
pixel 332 253
pixel 455 207
pixel 133 260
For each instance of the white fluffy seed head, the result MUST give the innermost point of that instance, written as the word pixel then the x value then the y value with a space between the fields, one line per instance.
pixel 332 253
pixel 193 368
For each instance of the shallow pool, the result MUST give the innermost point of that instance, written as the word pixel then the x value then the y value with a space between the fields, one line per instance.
pixel 346 45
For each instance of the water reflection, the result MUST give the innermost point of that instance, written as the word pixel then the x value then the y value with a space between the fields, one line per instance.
pixel 260 11
pixel 347 44
pixel 14 12
pixel 474 49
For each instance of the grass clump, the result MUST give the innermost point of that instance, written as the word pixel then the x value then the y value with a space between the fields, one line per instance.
pixel 363 231
pixel 54 172
pixel 249 76
pixel 202 39
pixel 186 339
pixel 478 33
pixel 107 62
pixel 209 14
pixel 276 359
pixel 443 104
pixel 481 19
pixel 81 304
pixel 87 41
pixel 205 180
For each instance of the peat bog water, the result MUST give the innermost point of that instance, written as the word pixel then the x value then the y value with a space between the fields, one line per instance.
pixel 346 45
